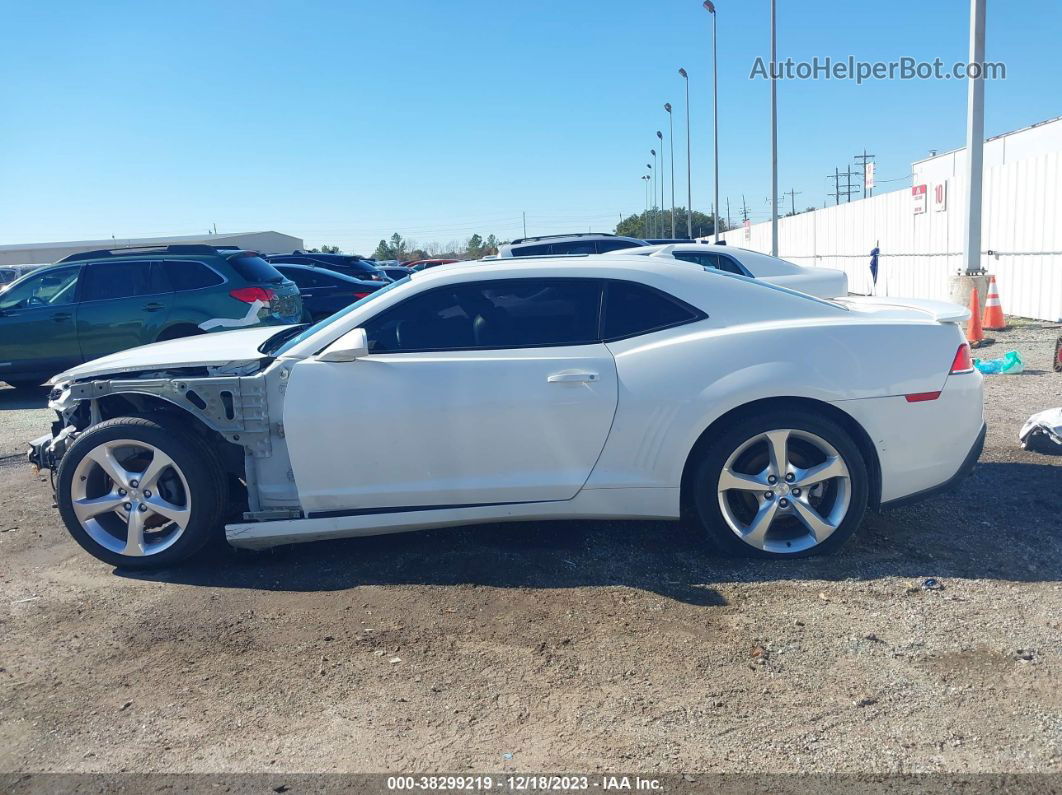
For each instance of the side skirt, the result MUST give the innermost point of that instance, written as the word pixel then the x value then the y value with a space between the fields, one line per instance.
pixel 646 503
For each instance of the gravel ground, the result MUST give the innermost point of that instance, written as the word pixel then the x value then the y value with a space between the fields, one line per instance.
pixel 570 646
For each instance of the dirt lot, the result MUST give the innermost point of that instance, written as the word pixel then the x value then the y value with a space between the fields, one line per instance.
pixel 571 646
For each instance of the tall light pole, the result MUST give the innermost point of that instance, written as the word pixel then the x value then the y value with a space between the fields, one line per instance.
pixel 774 131
pixel 671 124
pixel 663 180
pixel 975 141
pixel 645 198
pixel 656 176
pixel 689 181
pixel 715 114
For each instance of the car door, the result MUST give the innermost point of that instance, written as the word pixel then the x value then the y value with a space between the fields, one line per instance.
pixel 495 391
pixel 122 304
pixel 38 332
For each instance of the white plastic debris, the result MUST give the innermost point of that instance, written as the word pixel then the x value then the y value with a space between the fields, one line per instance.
pixel 1042 432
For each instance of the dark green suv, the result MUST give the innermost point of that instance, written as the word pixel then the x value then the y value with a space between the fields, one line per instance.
pixel 99 302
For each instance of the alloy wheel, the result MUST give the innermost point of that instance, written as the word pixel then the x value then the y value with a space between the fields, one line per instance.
pixel 131 498
pixel 784 490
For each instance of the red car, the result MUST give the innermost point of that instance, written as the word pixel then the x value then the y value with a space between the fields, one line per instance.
pixel 421 264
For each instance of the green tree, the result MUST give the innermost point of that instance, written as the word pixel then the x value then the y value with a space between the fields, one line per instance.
pixel 656 223
pixel 474 247
pixel 395 248
pixel 325 250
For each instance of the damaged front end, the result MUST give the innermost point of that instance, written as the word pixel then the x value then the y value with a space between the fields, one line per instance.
pixel 229 406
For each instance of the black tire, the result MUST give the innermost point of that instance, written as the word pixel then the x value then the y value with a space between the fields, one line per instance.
pixel 707 470
pixel 206 482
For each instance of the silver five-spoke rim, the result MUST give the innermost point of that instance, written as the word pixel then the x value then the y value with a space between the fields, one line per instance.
pixel 784 490
pixel 131 498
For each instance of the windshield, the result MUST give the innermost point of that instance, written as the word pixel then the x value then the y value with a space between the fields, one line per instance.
pixel 283 341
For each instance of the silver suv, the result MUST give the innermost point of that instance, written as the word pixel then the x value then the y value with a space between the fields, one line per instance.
pixel 585 243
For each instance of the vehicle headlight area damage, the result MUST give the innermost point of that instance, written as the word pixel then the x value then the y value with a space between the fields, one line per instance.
pixel 228 407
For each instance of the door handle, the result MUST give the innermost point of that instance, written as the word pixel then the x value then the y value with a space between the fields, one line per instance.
pixel 571 378
pixel 153 307
pixel 61 317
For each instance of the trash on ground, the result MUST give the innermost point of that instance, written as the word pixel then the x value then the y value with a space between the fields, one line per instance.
pixel 932 584
pixel 1010 363
pixel 1042 432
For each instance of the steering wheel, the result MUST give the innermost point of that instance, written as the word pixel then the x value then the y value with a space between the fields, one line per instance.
pixel 36 300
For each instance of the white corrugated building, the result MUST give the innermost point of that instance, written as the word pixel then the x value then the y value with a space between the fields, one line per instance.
pixel 919 230
pixel 43 253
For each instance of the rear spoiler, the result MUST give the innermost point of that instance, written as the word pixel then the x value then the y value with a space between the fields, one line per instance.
pixel 940 311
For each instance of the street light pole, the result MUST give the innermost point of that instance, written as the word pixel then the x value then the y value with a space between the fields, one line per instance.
pixel 671 123
pixel 975 141
pixel 663 180
pixel 645 198
pixel 774 131
pixel 689 181
pixel 715 115
pixel 652 205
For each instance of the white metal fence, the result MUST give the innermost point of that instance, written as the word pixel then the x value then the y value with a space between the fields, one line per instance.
pixel 1021 238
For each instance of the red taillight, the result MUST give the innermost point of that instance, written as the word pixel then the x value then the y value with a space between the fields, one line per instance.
pixel 920 397
pixel 251 294
pixel 962 363
pixel 358 296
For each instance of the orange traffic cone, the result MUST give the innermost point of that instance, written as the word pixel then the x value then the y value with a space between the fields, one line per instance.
pixel 974 334
pixel 993 319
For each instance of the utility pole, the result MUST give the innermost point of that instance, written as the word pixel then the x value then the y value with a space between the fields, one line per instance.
pixel 744 209
pixel 836 185
pixel 975 141
pixel 663 181
pixel 865 158
pixel 727 212
pixel 792 194
pixel 774 130
pixel 525 222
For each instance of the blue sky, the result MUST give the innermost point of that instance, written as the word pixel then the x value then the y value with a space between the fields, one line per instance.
pixel 342 122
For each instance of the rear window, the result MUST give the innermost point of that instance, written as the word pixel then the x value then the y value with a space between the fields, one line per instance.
pixel 632 309
pixel 187 275
pixel 255 269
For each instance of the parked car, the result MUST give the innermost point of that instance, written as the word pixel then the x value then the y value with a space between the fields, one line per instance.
pixel 421 264
pixel 543 389
pixel 98 302
pixel 324 292
pixel 9 273
pixel 396 272
pixel 821 282
pixel 588 243
pixel 355 267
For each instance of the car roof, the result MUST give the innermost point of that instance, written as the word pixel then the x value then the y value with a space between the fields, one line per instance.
pixel 318 269
pixel 574 236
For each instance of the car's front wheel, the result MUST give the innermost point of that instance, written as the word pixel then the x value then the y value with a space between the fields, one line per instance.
pixel 140 493
pixel 783 484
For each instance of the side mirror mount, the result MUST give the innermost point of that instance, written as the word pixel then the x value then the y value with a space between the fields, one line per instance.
pixel 351 346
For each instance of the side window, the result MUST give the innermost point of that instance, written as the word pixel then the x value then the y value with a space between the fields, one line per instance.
pixel 301 277
pixel 531 251
pixel 604 246
pixel 707 260
pixel 632 309
pixel 120 279
pixel 504 313
pixel 50 288
pixel 573 247
pixel 185 275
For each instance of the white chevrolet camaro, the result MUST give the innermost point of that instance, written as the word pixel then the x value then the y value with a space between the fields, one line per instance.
pixel 522 389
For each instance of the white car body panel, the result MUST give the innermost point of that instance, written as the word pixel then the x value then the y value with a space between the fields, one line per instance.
pixel 214 350
pixel 473 427
pixel 484 435
pixel 820 282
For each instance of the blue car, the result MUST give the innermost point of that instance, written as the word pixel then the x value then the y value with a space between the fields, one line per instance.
pixel 324 292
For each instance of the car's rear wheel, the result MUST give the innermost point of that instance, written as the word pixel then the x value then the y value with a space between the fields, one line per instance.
pixel 783 484
pixel 140 493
